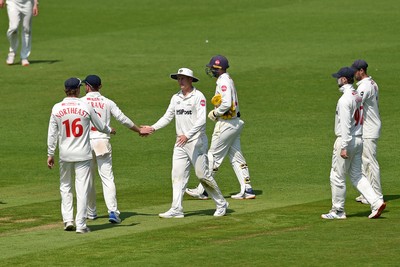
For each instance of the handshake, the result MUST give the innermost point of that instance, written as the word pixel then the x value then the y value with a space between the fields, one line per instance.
pixel 146 130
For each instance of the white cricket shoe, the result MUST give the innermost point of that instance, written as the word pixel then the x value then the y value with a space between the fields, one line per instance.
pixel 83 230
pixel 195 194
pixel 248 194
pixel 221 211
pixel 171 214
pixel 10 58
pixel 376 213
pixel 25 62
pixel 69 226
pixel 334 215
pixel 362 199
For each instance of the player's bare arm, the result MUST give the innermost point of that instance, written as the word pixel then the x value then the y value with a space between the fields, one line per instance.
pixel 135 129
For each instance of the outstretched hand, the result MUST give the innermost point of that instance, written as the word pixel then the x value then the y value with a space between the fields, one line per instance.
pixel 146 130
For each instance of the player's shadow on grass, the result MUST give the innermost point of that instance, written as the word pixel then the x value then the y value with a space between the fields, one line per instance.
pixel 98 227
pixel 123 216
pixel 44 61
pixel 389 198
pixel 366 214
pixel 207 212
pixel 1 202
pixel 256 192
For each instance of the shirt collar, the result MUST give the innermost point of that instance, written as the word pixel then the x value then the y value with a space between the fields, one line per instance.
pixel 363 80
pixel 93 94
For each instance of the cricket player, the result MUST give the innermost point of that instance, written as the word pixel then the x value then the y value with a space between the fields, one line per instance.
pixel 70 126
pixel 188 107
pixel 227 130
pixel 347 150
pixel 20 12
pixel 101 147
pixel 368 89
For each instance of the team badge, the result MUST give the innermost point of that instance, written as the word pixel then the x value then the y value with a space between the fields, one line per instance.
pixel 223 88
pixel 217 62
pixel 203 103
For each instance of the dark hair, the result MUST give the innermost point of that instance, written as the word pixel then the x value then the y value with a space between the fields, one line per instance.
pixel 71 92
pixel 350 80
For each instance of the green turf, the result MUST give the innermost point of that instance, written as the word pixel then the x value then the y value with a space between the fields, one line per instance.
pixel 281 53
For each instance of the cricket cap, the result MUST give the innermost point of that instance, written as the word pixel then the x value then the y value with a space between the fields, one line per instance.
pixel 345 72
pixel 93 81
pixel 218 62
pixel 72 83
pixel 186 72
pixel 360 64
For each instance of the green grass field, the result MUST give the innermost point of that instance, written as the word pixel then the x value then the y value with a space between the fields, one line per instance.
pixel 282 54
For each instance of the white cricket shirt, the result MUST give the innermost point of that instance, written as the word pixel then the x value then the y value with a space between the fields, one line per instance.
pixel 189 113
pixel 226 88
pixel 369 91
pixel 69 125
pixel 105 108
pixel 349 115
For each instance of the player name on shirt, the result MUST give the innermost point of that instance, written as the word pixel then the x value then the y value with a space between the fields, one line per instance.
pixel 95 102
pixel 67 111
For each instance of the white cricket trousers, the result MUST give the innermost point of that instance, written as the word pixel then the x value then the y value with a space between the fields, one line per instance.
pixel 352 167
pixel 192 153
pixel 81 170
pixel 18 13
pixel 104 168
pixel 226 140
pixel 370 165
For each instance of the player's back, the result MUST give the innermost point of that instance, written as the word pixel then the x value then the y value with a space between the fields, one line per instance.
pixel 369 91
pixel 73 120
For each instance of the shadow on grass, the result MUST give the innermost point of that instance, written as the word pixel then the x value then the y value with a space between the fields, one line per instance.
pixel 1 202
pixel 44 61
pixel 207 212
pixel 389 198
pixel 123 216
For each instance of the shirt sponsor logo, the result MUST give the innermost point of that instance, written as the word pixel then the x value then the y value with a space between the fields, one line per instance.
pixel 183 112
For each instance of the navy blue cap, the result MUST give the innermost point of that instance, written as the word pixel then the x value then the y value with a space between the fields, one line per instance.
pixel 218 62
pixel 360 64
pixel 92 81
pixel 72 83
pixel 344 72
